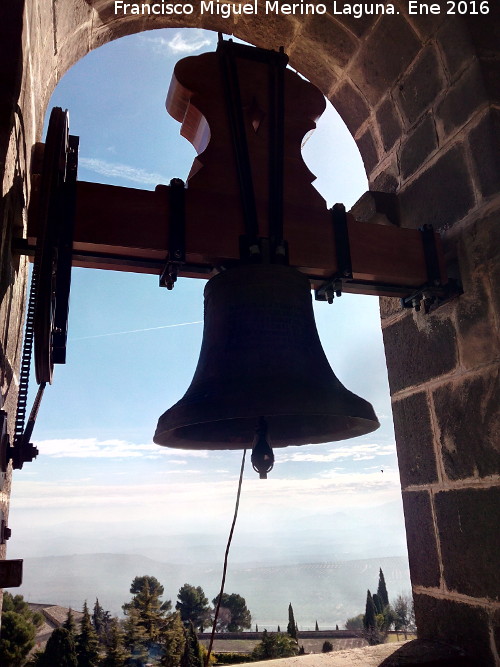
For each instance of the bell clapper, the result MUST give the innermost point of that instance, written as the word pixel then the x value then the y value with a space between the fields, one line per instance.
pixel 262 453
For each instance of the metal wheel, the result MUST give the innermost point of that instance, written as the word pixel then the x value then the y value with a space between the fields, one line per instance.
pixel 53 256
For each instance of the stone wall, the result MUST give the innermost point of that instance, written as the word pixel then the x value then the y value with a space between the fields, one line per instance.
pixel 420 94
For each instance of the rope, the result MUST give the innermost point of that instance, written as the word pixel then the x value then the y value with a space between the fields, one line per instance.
pixel 224 569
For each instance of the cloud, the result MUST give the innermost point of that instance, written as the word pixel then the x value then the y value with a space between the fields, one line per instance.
pixel 91 448
pixel 362 452
pixel 117 170
pixel 321 494
pixel 181 43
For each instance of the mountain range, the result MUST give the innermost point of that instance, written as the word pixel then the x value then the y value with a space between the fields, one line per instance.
pixel 328 592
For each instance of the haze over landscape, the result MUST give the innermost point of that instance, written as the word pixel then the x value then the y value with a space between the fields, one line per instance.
pixel 102 503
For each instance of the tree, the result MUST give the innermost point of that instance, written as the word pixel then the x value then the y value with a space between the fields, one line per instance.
pixel 223 619
pixel 355 623
pixel 135 639
pixel 327 647
pixel 373 624
pixel 191 656
pixel 69 623
pixel 317 627
pixel 274 646
pixel 239 617
pixel 370 612
pixel 87 644
pixel 193 606
pixel 404 616
pixel 60 650
pixel 102 622
pixel 146 610
pixel 172 640
pixel 377 601
pixel 115 652
pixel 19 626
pixel 291 627
pixel 382 590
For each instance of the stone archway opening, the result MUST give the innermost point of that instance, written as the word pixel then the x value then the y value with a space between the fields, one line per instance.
pixel 380 518
pixel 419 94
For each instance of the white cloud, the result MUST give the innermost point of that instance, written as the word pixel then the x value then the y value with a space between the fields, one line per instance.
pixel 322 493
pixel 117 170
pixel 181 43
pixel 91 448
pixel 362 452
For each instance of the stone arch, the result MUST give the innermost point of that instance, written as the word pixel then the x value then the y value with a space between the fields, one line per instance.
pixel 420 94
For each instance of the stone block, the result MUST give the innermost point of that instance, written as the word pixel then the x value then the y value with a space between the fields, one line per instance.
pixel 462 100
pixel 368 150
pixel 468 418
pixel 455 623
pixel 72 23
pixel 419 145
pixel 419 88
pixel 455 44
pixel 478 309
pixel 484 142
pixel 389 123
pixel 468 523
pixel 380 208
pixel 326 34
pixel 415 355
pixel 386 181
pixel 375 70
pixel 358 26
pixel 491 76
pixel 441 195
pixel 388 307
pixel 484 31
pixel 313 64
pixel 421 539
pixel 351 106
pixel 250 29
pixel 414 440
pixel 423 21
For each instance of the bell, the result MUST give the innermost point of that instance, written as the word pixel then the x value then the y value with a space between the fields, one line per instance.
pixel 261 359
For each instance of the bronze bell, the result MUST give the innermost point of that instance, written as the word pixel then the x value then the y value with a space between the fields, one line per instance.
pixel 261 358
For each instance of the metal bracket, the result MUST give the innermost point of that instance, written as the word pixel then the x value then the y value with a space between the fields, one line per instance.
pixel 433 294
pixel 333 287
pixel 176 256
pixel 4 447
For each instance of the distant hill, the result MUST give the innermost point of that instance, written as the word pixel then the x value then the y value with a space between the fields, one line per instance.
pixel 328 592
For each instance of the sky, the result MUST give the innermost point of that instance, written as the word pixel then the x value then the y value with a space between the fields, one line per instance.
pixel 99 483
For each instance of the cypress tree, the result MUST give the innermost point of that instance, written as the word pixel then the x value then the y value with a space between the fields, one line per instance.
pixel 279 629
pixel 382 589
pixel 291 627
pixel 369 621
pixel 87 644
pixel 60 650
pixel 317 628
pixel 191 656
pixel 379 607
pixel 69 623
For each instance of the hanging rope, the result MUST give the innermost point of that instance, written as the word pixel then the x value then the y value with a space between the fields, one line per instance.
pixel 224 569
